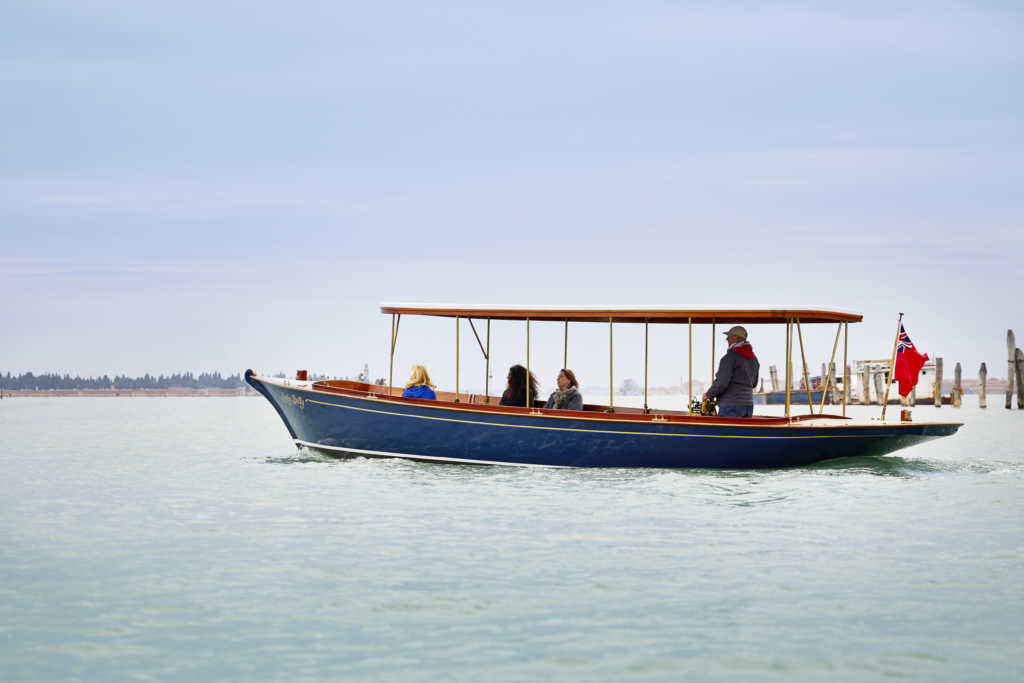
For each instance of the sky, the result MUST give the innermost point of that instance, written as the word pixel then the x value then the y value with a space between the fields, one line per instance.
pixel 216 186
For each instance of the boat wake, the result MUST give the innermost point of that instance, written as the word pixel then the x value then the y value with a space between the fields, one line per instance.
pixel 880 465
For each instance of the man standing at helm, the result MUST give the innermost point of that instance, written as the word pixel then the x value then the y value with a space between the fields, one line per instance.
pixel 737 376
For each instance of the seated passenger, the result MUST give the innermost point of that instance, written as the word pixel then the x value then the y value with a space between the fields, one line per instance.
pixel 419 385
pixel 515 390
pixel 568 396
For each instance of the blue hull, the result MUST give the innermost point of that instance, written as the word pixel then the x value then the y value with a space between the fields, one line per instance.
pixel 378 426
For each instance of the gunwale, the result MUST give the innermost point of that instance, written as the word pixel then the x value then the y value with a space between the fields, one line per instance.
pixel 336 387
pixel 753 315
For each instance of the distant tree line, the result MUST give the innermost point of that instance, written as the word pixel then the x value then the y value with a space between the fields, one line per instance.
pixel 187 380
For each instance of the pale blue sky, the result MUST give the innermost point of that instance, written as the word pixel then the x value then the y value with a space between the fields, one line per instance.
pixel 215 186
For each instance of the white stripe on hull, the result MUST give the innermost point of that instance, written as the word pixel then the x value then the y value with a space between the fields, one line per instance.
pixel 410 456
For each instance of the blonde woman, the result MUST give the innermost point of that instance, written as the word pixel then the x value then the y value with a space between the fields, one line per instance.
pixel 419 385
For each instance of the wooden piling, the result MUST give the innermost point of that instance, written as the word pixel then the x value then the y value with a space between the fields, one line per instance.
pixel 1011 367
pixel 982 376
pixel 912 397
pixel 847 379
pixel 957 389
pixel 938 383
pixel 879 391
pixel 1019 362
pixel 774 374
pixel 865 385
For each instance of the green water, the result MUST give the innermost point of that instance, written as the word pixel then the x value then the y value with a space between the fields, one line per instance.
pixel 187 539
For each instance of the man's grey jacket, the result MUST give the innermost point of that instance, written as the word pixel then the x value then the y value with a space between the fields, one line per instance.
pixel 738 374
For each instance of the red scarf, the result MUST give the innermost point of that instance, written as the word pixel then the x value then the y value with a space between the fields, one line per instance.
pixel 744 349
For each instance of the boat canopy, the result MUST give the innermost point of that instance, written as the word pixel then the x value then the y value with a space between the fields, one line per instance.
pixel 631 314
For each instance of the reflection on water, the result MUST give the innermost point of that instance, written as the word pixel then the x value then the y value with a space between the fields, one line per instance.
pixel 195 541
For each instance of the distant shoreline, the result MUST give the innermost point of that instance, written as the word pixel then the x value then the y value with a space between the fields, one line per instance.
pixel 70 393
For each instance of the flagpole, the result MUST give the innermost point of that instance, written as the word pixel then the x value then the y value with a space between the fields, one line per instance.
pixel 892 364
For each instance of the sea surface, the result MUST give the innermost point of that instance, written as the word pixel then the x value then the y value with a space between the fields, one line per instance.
pixel 188 539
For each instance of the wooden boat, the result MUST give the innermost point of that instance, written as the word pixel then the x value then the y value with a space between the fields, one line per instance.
pixel 356 418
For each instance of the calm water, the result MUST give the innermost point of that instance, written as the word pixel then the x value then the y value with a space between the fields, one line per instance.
pixel 186 538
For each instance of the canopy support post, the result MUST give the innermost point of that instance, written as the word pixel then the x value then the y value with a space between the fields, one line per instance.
pixel 803 361
pixel 528 401
pixel 645 366
pixel 689 389
pixel 565 346
pixel 846 346
pixel 486 352
pixel 456 359
pixel 789 361
pixel 831 366
pixel 478 342
pixel 712 351
pixel 611 374
pixel 395 322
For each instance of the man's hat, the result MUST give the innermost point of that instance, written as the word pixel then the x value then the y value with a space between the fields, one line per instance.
pixel 736 331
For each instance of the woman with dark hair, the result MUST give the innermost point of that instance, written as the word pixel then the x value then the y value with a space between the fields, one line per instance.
pixel 515 391
pixel 567 397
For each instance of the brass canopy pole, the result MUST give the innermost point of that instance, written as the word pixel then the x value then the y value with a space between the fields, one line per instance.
pixel 803 360
pixel 478 342
pixel 789 361
pixel 831 367
pixel 645 366
pixel 565 346
pixel 527 362
pixel 486 352
pixel 391 353
pixel 456 359
pixel 611 374
pixel 487 364
pixel 846 346
pixel 892 364
pixel 395 322
pixel 712 351
pixel 398 324
pixel 689 322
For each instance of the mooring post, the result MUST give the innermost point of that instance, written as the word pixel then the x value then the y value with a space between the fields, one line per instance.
pixel 957 389
pixel 1019 362
pixel 912 397
pixel 982 376
pixel 865 385
pixel 938 383
pixel 879 392
pixel 774 374
pixel 847 376
pixel 1011 367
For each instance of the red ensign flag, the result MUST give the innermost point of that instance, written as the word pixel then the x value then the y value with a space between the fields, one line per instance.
pixel 908 363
